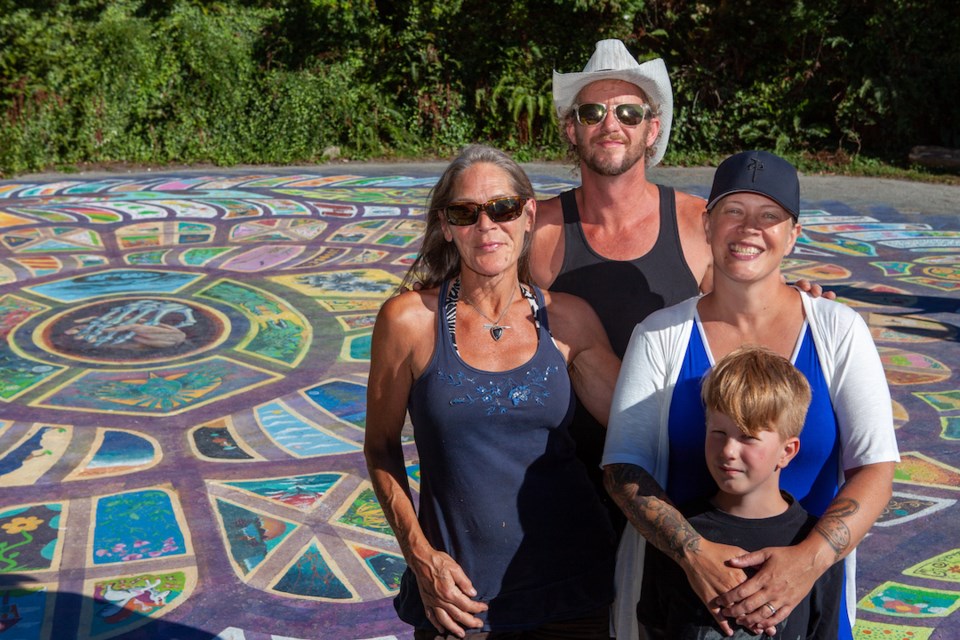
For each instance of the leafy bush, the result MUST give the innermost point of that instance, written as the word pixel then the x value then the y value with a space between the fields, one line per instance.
pixel 229 81
pixel 810 75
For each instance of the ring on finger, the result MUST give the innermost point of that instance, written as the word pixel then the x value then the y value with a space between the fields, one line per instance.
pixel 773 609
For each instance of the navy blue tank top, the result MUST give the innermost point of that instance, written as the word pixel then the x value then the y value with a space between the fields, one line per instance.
pixel 501 490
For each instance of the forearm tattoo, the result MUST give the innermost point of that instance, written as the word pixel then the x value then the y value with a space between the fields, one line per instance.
pixel 649 510
pixel 832 527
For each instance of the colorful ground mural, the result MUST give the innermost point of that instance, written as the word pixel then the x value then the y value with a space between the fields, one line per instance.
pixel 182 403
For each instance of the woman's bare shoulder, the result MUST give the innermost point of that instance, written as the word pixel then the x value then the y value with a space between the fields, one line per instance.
pixel 410 305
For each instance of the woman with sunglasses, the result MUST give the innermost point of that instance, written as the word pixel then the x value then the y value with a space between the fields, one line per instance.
pixel 510 536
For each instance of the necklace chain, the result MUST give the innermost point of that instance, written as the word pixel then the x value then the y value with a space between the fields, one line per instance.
pixel 496 329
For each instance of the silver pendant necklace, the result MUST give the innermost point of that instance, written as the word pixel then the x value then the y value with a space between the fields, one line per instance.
pixel 496 329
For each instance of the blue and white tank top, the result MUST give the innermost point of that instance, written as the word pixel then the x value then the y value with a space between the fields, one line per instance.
pixel 812 477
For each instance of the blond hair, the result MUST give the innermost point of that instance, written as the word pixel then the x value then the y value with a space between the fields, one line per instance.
pixel 758 390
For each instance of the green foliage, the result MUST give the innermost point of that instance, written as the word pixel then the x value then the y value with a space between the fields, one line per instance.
pixel 303 33
pixel 176 82
pixel 810 75
pixel 520 102
pixel 414 64
pixel 42 67
pixel 900 85
pixel 231 81
pixel 306 112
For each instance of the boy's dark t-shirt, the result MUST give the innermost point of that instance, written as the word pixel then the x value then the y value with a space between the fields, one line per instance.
pixel 669 608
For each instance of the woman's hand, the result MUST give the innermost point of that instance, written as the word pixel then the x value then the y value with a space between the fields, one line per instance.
pixel 785 576
pixel 710 575
pixel 447 594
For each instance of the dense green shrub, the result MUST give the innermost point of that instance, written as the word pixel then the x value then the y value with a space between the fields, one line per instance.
pixel 175 82
pixel 872 76
pixel 238 81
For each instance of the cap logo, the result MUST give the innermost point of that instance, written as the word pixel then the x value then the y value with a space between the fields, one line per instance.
pixel 754 165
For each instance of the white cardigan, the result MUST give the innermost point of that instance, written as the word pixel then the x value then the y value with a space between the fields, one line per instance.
pixel 638 430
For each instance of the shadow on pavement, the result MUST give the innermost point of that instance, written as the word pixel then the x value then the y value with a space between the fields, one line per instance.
pixel 23 604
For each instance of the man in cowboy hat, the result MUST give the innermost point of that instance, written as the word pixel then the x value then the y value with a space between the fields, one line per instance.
pixel 626 245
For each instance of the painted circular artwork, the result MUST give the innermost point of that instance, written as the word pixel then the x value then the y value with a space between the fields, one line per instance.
pixel 183 363
pixel 133 330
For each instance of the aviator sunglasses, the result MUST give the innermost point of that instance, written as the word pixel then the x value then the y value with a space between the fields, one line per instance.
pixel 629 115
pixel 464 214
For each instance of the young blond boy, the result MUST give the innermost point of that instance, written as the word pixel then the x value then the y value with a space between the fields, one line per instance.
pixel 756 403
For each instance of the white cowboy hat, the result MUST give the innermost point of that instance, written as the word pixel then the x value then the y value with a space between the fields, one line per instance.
pixel 612 61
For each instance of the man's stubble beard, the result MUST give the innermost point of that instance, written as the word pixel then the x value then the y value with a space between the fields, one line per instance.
pixel 604 166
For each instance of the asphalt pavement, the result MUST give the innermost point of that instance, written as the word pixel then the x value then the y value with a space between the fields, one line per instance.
pixel 908 197
pixel 214 486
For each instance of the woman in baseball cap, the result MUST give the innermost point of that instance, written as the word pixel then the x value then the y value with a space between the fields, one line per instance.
pixel 843 473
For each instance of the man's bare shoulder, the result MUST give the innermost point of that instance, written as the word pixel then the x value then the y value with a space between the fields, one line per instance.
pixel 690 209
pixel 549 212
pixel 546 251
pixel 572 320
pixel 693 238
pixel 569 310
pixel 689 204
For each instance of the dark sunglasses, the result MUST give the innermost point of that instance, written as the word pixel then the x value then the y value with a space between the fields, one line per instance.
pixel 463 214
pixel 629 115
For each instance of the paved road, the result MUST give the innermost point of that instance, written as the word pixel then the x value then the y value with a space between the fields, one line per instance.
pixel 906 196
pixel 214 485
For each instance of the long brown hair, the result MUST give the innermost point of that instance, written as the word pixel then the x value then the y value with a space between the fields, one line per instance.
pixel 438 259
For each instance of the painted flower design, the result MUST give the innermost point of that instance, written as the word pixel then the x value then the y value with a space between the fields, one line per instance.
pixel 492 394
pixel 20 525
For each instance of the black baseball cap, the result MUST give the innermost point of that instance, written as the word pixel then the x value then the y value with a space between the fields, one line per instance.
pixel 758 172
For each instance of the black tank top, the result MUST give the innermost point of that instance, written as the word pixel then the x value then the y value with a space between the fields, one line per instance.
pixel 623 293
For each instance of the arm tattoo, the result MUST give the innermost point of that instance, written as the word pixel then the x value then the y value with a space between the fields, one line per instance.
pixel 832 527
pixel 649 510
